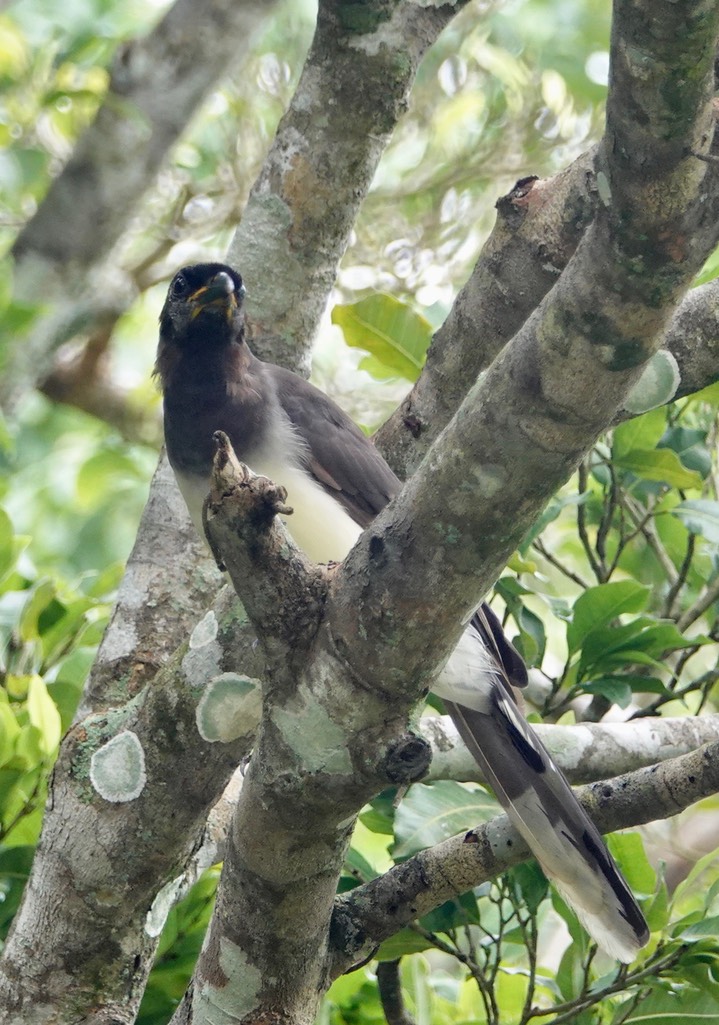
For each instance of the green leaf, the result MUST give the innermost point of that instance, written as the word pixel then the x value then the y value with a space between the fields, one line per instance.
pixel 15 864
pixel 433 812
pixel 66 689
pixel 7 552
pixel 532 639
pixel 656 910
pixel 406 941
pixel 393 333
pixel 358 866
pixel 709 271
pixel 623 683
pixel 38 600
pixel 641 432
pixel 530 883
pixel 682 1005
pixel 44 715
pixel 644 640
pixel 103 473
pixel 378 815
pixel 598 605
pixel 659 464
pixel 551 511
pixel 628 851
pixel 690 445
pixel 9 730
pixel 708 928
pixel 700 516
pixel 61 623
pixel 613 688
pixel 453 914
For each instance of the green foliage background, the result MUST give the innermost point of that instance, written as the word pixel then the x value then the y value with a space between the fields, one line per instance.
pixel 609 595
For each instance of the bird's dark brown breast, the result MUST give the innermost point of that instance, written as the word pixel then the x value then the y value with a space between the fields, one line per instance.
pixel 206 391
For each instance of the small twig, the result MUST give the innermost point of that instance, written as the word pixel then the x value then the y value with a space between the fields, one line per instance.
pixel 528 926
pixel 710 595
pixel 558 564
pixel 390 993
pixel 569 1009
pixel 703 683
pixel 83 380
pixel 673 592
pixel 610 505
pixel 597 569
pixel 491 1011
pixel 643 521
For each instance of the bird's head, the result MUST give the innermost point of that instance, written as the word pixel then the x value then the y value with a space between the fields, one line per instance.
pixel 203 306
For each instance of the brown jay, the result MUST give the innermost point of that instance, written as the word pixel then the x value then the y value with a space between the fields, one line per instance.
pixel 286 429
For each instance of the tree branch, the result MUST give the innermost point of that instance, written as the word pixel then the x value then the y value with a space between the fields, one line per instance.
pixel 539 225
pixel 515 438
pixel 83 380
pixel 522 429
pixel 150 770
pixel 283 592
pixel 390 993
pixel 159 598
pixel 303 206
pixel 586 752
pixel 376 910
pixel 112 912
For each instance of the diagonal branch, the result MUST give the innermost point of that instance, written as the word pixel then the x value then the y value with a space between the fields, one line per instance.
pixel 522 429
pixel 303 206
pixel 539 225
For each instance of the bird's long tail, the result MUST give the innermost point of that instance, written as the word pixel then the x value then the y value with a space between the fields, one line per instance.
pixel 542 805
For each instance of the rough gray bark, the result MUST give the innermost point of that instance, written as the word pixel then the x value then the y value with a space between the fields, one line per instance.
pixel 158 601
pixel 586 753
pixel 143 632
pixel 302 208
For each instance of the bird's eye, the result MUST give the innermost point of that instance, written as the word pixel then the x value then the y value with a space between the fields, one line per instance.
pixel 179 285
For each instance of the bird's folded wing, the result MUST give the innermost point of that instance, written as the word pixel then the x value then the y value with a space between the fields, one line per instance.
pixel 337 453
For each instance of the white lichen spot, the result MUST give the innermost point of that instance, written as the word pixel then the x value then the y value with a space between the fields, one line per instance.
pixel 238 997
pixel 306 728
pixel 205 631
pixel 162 905
pixel 657 385
pixel 569 745
pixel 200 665
pixel 604 188
pixel 490 478
pixel 229 708
pixel 117 769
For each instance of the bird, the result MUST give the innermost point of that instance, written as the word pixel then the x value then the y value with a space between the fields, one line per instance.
pixel 285 428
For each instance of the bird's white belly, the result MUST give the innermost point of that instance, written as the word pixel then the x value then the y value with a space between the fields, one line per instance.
pixel 318 524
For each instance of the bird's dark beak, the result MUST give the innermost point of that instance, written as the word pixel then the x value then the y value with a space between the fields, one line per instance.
pixel 220 291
